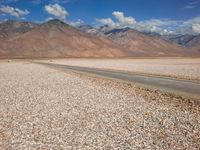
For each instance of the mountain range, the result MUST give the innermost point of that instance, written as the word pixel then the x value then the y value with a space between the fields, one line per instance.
pixel 56 39
pixel 179 39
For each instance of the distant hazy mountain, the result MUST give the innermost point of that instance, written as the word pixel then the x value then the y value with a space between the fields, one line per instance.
pixel 115 31
pixel 152 33
pixel 188 41
pixel 12 28
pixel 179 39
pixel 144 44
pixel 88 29
pixel 104 29
pixel 94 31
pixel 194 43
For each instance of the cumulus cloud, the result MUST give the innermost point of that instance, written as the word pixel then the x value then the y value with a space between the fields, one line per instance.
pixel 167 26
pixel 56 10
pixel 192 21
pixel 106 21
pixel 48 19
pixel 196 28
pixel 190 26
pixel 122 20
pixel 161 26
pixel 76 23
pixel 14 11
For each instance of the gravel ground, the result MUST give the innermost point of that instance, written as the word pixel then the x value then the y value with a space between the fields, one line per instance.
pixel 183 68
pixel 42 108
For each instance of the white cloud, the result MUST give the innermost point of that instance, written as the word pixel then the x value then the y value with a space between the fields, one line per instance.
pixel 196 28
pixel 152 25
pixel 48 19
pixel 76 23
pixel 107 21
pixel 167 26
pixel 122 20
pixel 56 10
pixel 192 21
pixel 14 11
pixel 191 5
pixel 161 26
pixel 190 26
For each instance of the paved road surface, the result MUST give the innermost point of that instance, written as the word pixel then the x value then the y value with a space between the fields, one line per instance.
pixel 180 87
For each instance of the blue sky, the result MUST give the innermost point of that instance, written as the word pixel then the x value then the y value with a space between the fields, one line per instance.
pixel 165 15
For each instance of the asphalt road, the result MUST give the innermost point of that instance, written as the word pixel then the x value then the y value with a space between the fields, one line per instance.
pixel 179 87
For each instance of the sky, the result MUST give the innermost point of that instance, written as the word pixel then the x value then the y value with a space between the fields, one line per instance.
pixel 162 16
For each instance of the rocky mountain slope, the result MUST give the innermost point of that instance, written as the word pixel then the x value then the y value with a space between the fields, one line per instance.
pixel 145 45
pixel 57 39
pixel 179 39
pixel 13 28
pixel 188 41
pixel 194 43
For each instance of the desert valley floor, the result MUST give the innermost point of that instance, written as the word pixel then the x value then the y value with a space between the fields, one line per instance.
pixel 45 108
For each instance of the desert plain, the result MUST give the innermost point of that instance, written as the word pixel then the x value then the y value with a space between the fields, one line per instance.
pixel 46 108
pixel 181 68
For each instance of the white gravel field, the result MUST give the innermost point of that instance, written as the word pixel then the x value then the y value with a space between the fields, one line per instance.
pixel 182 68
pixel 43 108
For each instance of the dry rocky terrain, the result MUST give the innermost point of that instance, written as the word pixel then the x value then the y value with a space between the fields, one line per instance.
pixel 43 108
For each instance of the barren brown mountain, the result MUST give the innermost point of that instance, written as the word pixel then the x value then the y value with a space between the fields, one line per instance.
pixel 57 39
pixel 14 28
pixel 146 45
